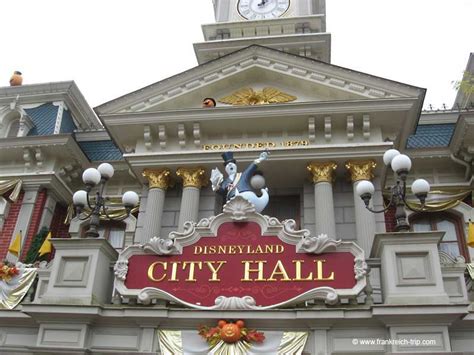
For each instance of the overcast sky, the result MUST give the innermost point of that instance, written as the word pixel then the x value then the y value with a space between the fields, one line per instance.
pixel 110 48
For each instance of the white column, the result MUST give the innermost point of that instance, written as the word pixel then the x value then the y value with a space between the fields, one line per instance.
pixel 365 220
pixel 48 211
pixel 159 181
pixel 193 180
pixel 322 176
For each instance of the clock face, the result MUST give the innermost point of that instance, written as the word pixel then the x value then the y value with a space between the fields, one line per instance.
pixel 262 9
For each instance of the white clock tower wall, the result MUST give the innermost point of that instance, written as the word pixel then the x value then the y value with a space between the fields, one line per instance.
pixel 227 10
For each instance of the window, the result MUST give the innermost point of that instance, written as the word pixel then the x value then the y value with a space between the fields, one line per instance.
pixel 284 207
pixel 114 232
pixel 13 128
pixel 453 242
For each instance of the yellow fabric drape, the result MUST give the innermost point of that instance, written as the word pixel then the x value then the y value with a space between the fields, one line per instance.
pixel 292 343
pixel 470 234
pixel 170 342
pixel 176 342
pixel 438 200
pixel 14 185
pixel 12 292
pixel 115 210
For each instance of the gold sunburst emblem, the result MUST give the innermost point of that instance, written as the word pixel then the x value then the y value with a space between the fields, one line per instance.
pixel 248 96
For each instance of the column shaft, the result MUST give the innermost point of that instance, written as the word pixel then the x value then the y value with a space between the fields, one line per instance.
pixel 365 220
pixel 322 176
pixel 159 181
pixel 154 213
pixel 189 206
pixel 193 180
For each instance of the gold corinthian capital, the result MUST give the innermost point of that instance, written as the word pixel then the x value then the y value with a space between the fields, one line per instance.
pixel 361 170
pixel 322 171
pixel 192 177
pixel 158 178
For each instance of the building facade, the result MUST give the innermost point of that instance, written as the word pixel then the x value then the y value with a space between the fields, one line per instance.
pixel 326 128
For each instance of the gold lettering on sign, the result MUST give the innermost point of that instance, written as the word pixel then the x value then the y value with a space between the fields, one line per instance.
pixel 191 269
pixel 256 145
pixel 214 270
pixel 298 272
pixel 248 270
pixel 151 270
pixel 279 269
pixel 319 274
pixel 174 270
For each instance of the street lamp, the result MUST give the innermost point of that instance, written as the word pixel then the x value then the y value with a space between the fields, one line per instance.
pixel 401 165
pixel 91 178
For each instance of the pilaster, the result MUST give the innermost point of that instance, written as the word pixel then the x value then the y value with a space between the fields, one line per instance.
pixel 322 174
pixel 365 220
pixel 159 181
pixel 193 180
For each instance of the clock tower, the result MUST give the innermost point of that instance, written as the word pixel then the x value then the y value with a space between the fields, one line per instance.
pixel 292 26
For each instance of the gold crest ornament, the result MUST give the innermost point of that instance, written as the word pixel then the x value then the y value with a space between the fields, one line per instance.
pixel 248 96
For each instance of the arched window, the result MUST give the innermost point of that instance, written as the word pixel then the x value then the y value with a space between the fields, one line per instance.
pixel 454 241
pixel 13 128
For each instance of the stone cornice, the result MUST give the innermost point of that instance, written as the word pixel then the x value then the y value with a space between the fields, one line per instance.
pixel 210 30
pixel 46 142
pixel 307 69
pixel 55 185
pixel 66 91
pixel 281 110
pixel 338 152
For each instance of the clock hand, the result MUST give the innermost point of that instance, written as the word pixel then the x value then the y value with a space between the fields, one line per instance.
pixel 263 3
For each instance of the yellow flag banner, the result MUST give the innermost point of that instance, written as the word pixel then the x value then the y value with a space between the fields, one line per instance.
pixel 470 234
pixel 46 247
pixel 15 246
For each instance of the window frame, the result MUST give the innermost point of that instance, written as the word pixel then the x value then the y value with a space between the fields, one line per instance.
pixel 434 218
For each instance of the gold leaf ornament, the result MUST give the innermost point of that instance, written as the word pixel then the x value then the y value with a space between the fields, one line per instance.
pixel 248 96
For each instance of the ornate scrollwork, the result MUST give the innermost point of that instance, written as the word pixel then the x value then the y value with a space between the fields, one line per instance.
pixel 360 268
pixel 447 259
pixel 361 170
pixel 192 177
pixel 121 269
pixel 248 96
pixel 318 245
pixel 162 246
pixel 238 208
pixel 158 178
pixel 322 171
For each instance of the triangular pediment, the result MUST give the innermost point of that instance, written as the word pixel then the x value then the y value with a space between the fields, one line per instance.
pixel 258 67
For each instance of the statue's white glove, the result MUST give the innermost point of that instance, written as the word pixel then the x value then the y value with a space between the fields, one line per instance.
pixel 216 179
pixel 263 156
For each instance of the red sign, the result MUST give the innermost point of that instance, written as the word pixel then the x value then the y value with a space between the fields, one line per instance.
pixel 240 262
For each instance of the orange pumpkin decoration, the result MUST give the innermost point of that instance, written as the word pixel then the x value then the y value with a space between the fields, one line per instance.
pixel 221 323
pixel 230 333
pixel 240 323
pixel 16 79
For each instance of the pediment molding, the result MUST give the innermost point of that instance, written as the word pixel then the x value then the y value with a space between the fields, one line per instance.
pixel 363 85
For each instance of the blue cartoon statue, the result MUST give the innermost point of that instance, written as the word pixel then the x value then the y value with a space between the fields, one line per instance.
pixel 242 184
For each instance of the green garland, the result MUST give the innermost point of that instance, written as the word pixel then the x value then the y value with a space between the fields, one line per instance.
pixel 38 240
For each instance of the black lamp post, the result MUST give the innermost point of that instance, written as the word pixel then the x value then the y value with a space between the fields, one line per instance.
pixel 401 165
pixel 91 178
